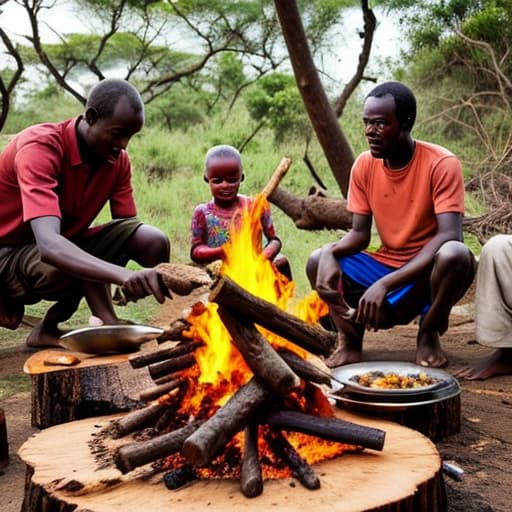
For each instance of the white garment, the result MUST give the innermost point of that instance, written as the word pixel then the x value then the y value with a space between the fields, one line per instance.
pixel 493 318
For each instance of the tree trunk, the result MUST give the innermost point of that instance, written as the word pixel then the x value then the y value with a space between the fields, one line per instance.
pixel 315 211
pixel 336 148
pixel 62 474
pixel 97 385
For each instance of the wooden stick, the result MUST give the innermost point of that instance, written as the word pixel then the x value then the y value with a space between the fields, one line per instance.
pixel 169 377
pixel 209 439
pixel 154 392
pixel 300 467
pixel 276 177
pixel 147 358
pixel 174 331
pixel 135 419
pixel 157 370
pixel 304 369
pixel 313 338
pixel 259 355
pixel 251 478
pixel 332 429
pixel 133 455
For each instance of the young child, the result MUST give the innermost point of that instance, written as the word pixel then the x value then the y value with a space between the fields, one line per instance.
pixel 211 221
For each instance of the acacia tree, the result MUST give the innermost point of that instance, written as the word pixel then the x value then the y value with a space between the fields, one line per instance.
pixel 460 61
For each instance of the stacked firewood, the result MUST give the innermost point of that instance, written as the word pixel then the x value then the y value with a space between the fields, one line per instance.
pixel 270 403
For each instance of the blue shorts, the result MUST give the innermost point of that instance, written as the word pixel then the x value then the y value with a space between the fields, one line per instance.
pixel 364 270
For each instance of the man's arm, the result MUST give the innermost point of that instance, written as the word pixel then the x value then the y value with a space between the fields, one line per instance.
pixel 328 272
pixel 63 254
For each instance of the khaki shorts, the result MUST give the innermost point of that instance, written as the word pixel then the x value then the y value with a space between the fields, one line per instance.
pixel 25 278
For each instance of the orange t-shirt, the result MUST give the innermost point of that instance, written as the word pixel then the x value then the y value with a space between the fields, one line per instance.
pixel 404 202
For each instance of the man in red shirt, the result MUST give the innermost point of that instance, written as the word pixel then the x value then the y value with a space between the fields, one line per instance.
pixel 414 192
pixel 55 179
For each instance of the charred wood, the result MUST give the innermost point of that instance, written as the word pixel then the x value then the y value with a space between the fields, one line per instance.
pixel 251 478
pixel 157 370
pixel 259 355
pixel 209 439
pixel 147 358
pixel 312 338
pixel 332 429
pixel 300 468
pixel 133 455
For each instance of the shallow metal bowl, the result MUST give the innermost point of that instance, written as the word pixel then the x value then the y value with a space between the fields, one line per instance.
pixel 344 378
pixel 109 338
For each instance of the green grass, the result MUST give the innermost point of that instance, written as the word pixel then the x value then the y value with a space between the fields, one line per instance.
pixel 168 184
pixel 13 384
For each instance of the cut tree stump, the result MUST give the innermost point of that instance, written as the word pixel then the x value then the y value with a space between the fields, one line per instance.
pixel 4 445
pixel 64 476
pixel 96 386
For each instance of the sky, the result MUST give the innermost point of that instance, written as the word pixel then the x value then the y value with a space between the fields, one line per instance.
pixel 339 64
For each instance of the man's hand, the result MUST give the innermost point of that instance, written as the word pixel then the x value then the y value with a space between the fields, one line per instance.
pixel 141 283
pixel 370 304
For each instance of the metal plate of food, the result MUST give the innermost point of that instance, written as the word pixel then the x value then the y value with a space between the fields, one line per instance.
pixel 377 404
pixel 388 378
pixel 109 338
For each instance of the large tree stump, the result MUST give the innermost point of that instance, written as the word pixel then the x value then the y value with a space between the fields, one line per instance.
pixel 64 476
pixel 97 385
pixel 4 445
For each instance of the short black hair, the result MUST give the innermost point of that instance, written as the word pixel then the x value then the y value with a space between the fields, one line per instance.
pixel 105 95
pixel 222 150
pixel 405 102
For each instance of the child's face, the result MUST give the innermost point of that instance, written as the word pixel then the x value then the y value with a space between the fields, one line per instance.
pixel 224 175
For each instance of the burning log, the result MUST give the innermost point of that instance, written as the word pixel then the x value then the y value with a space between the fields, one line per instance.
pixel 156 391
pixel 179 477
pixel 209 439
pixel 155 356
pixel 133 455
pixel 312 338
pixel 300 468
pixel 173 364
pixel 332 429
pixel 303 368
pixel 259 354
pixel 168 377
pixel 136 419
pixel 174 331
pixel 251 478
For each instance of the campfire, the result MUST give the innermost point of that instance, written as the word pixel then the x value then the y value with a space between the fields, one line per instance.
pixel 239 397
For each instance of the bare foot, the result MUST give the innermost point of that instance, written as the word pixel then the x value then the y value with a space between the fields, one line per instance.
pixel 345 353
pixel 41 336
pixel 428 351
pixel 498 363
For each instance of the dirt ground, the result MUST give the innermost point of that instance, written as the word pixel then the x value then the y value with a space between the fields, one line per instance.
pixel 483 448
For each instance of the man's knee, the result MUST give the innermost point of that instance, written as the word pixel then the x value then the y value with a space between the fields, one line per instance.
pixel 455 258
pixel 312 266
pixel 149 246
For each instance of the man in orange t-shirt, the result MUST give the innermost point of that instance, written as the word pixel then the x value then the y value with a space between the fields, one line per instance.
pixel 414 191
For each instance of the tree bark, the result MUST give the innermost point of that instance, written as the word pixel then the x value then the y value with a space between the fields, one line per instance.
pixel 313 338
pixel 314 211
pixel 323 118
pixel 405 477
pixel 259 355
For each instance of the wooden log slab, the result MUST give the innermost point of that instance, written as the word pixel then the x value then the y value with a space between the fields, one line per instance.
pixel 405 476
pixel 95 386
pixel 4 444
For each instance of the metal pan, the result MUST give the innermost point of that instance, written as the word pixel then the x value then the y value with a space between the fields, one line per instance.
pixel 344 378
pixel 109 338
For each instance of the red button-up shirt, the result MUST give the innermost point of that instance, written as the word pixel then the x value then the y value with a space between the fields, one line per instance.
pixel 42 173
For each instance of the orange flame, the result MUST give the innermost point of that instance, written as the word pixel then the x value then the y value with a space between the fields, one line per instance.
pixel 222 369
